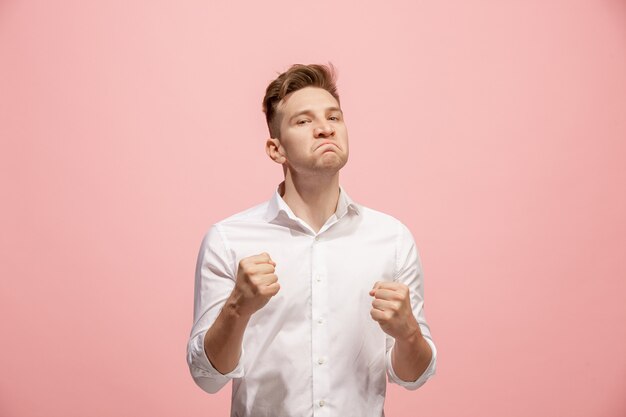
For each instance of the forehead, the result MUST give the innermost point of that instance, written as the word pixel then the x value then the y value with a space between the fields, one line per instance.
pixel 308 97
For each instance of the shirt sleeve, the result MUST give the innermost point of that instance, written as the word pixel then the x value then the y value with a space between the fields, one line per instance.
pixel 214 281
pixel 409 272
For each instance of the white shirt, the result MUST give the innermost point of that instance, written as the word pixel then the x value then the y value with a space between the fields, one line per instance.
pixel 313 349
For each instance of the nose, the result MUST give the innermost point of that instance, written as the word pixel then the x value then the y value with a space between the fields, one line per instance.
pixel 324 129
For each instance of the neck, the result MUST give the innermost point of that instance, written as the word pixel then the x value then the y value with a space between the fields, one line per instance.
pixel 313 199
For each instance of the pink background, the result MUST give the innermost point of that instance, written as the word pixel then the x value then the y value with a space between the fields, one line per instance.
pixel 495 130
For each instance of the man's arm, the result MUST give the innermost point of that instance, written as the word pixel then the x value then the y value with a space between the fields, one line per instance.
pixel 256 284
pixel 391 308
pixel 215 287
pixel 411 356
pixel 398 308
pixel 222 342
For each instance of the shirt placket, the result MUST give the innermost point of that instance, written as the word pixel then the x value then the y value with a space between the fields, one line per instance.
pixel 319 328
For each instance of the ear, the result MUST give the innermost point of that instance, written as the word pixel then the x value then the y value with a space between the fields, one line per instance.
pixel 275 151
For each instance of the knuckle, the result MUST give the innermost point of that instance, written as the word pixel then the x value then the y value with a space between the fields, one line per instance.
pixel 272 291
pixel 243 274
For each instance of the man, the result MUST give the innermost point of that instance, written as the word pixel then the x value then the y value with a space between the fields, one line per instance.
pixel 308 300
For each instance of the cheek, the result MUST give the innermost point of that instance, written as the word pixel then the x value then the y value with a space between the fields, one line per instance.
pixel 297 148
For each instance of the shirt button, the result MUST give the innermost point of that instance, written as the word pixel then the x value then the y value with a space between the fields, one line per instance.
pixel 322 403
pixel 321 361
pixel 317 238
pixel 320 321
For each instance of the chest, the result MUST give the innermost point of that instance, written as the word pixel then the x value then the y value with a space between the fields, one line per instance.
pixel 333 271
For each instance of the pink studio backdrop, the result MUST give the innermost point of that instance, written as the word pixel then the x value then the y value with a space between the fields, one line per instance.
pixel 495 130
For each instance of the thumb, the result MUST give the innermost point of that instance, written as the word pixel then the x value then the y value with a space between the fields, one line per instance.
pixel 269 258
pixel 376 286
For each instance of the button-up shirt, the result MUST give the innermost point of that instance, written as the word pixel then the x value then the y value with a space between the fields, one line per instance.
pixel 313 349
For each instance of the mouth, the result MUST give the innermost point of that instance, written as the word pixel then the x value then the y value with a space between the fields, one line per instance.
pixel 328 148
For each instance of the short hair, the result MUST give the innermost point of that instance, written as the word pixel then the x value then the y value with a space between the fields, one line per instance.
pixel 298 76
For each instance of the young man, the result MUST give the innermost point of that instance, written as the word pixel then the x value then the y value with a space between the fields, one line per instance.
pixel 308 300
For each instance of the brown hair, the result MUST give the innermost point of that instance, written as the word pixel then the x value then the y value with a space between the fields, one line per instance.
pixel 296 77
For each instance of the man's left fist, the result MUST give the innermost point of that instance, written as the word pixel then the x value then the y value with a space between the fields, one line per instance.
pixel 391 308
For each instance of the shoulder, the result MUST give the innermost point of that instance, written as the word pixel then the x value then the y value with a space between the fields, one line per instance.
pixel 384 220
pixel 251 214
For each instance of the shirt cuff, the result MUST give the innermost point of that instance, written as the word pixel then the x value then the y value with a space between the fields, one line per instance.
pixel 426 375
pixel 201 366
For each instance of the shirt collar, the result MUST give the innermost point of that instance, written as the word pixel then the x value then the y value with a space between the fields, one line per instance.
pixel 278 207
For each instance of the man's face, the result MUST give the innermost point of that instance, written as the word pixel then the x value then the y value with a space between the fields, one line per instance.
pixel 313 135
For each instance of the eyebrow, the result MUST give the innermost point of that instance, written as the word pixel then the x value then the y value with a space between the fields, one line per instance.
pixel 309 111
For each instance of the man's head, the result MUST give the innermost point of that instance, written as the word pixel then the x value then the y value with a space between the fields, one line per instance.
pixel 305 120
pixel 298 76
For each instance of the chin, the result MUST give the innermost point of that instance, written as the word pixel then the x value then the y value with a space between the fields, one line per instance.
pixel 334 165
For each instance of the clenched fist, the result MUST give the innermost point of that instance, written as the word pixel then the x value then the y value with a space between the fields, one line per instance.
pixel 256 283
pixel 391 308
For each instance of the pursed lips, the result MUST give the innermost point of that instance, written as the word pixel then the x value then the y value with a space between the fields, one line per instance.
pixel 327 143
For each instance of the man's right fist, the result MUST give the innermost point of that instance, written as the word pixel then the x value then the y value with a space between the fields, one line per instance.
pixel 256 283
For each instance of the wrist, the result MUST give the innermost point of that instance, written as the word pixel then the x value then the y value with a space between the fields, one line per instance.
pixel 234 306
pixel 412 338
pixel 414 344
